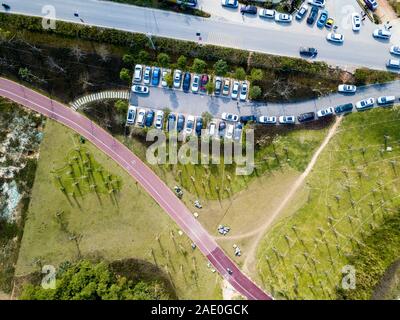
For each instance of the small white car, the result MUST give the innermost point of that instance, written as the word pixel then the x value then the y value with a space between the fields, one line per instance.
pixel 138 73
pixel 163 78
pixel 159 120
pixel 140 117
pixel 177 78
pixel 283 17
pixel 385 100
pixel 395 50
pixel 325 112
pixel 138 88
pixel 226 87
pixel 287 119
pixel 267 120
pixel 335 37
pixel 382 34
pixel 365 104
pixel 267 13
pixel 243 91
pixel 212 128
pixel 229 131
pixel 356 21
pixel 230 117
pixel 393 63
pixel 196 83
pixel 147 75
pixel 130 117
pixel 235 90
pixel 189 124
pixel 347 88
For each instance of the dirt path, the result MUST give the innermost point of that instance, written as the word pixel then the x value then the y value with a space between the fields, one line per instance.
pixel 259 232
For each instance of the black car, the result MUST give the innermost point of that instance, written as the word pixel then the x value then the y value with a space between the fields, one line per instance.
pixel 308 116
pixel 218 85
pixel 171 122
pixel 221 128
pixel 308 52
pixel 5 6
pixel 246 119
pixel 186 81
pixel 348 107
pixel 149 118
pixel 199 125
pixel 248 9
pixel 180 123
pixel 312 16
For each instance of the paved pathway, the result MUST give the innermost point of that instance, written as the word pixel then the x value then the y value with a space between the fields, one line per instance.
pixel 99 96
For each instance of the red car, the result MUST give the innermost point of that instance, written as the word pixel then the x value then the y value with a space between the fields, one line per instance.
pixel 203 82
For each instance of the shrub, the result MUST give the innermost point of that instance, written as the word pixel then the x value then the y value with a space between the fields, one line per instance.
pixel 143 56
pixel 254 92
pixel 240 74
pixel 182 62
pixel 163 59
pixel 128 60
pixel 256 75
pixel 199 66
pixel 221 67
pixel 121 106
pixel 125 75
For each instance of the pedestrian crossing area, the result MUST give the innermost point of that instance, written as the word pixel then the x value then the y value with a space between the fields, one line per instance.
pixel 98 96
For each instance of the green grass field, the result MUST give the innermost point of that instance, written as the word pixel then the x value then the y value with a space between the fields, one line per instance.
pixel 353 187
pixel 95 225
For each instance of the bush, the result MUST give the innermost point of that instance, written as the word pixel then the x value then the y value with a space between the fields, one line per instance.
pixel 182 62
pixel 254 92
pixel 256 75
pixel 125 75
pixel 128 60
pixel 121 106
pixel 143 57
pixel 169 79
pixel 163 59
pixel 221 68
pixel 240 74
pixel 366 76
pixel 199 66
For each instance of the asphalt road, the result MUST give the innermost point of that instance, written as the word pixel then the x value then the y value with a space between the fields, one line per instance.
pixel 141 173
pixel 358 49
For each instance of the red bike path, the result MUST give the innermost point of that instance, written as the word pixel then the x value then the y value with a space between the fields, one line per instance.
pixel 158 190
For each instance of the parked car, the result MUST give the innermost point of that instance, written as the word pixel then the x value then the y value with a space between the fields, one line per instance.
pixel 130 118
pixel 317 3
pixel 147 75
pixel 308 52
pixel 199 125
pixel 237 133
pixel 335 37
pixel 6 6
pixel 177 78
pixel 230 117
pixel 248 9
pixel 186 81
pixel 212 128
pixel 235 90
pixel 267 13
pixel 203 82
pixel 171 122
pixel 156 76
pixel 189 125
pixel 243 91
pixel 226 87
pixel 180 123
pixel 246 119
pixel 158 123
pixel 347 88
pixel 218 85
pixel 163 78
pixel 138 73
pixel 393 64
pixel 308 116
pixel 356 21
pixel 382 34
pixel 302 12
pixel 325 112
pixel 283 17
pixel 312 16
pixel 140 117
pixel 344 108
pixel 230 3
pixel 149 118
pixel 386 100
pixel 221 128
pixel 329 23
pixel 138 88
pixel 287 120
pixel 322 19
pixel 189 3
pixel 196 83
pixel 229 131
pixel 371 4
pixel 267 120
pixel 365 104
pixel 395 50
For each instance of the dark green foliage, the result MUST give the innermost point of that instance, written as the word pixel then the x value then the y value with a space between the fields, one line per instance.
pixel 365 76
pixel 221 68
pixel 163 59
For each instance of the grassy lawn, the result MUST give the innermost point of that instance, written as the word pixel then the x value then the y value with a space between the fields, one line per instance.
pixel 353 188
pixel 97 226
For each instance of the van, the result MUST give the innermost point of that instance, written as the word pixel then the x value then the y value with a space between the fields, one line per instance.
pixel 344 108
pixel 138 73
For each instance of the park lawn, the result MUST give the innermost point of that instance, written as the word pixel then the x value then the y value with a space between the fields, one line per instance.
pixel 105 226
pixel 354 185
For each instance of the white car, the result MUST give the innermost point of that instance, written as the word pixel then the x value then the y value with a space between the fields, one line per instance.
pixel 159 120
pixel 130 117
pixel 325 112
pixel 195 83
pixel 393 63
pixel 395 50
pixel 365 104
pixel 267 13
pixel 386 100
pixel 347 88
pixel 138 88
pixel 356 21
pixel 140 117
pixel 243 91
pixel 317 3
pixel 177 78
pixel 287 119
pixel 283 17
pixel 230 3
pixel 229 131
pixel 138 73
pixel 267 120
pixel 189 124
pixel 163 80
pixel 147 75
pixel 230 117
pixel 212 128
pixel 235 90
pixel 335 37
pixel 382 34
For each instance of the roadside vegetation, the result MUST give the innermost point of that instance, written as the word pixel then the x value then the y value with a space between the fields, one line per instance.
pixel 396 6
pixel 350 206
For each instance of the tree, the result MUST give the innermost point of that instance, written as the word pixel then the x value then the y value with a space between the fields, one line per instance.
pixel 256 75
pixel 240 74
pixel 143 56
pixel 129 60
pixel 210 87
pixel 207 117
pixel 169 79
pixel 221 67
pixel 199 66
pixel 163 59
pixel 121 106
pixel 125 75
pixel 182 62
pixel 254 92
